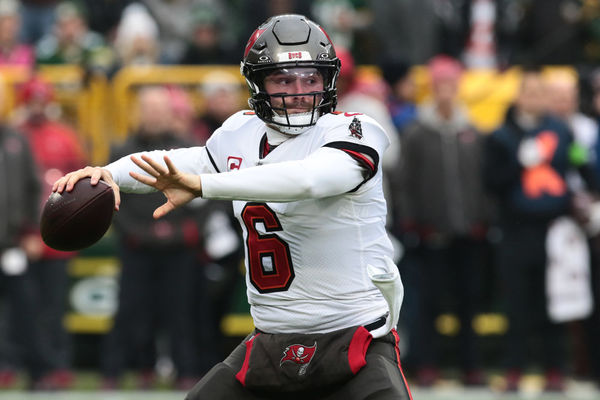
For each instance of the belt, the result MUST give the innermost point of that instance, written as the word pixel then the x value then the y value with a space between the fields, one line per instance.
pixel 371 326
pixel 378 323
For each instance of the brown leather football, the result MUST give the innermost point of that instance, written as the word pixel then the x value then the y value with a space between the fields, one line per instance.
pixel 77 219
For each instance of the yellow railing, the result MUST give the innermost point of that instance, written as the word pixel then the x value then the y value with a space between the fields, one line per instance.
pixel 128 79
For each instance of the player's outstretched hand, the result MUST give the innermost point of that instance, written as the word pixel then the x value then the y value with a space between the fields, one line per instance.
pixel 95 173
pixel 178 187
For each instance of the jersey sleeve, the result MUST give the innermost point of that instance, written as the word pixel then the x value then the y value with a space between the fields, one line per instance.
pixel 198 160
pixel 193 160
pixel 360 137
pixel 326 172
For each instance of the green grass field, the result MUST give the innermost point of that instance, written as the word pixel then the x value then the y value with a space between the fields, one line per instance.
pixel 418 394
pixel 578 392
pixel 87 383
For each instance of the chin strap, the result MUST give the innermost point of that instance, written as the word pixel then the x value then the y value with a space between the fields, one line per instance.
pixel 387 279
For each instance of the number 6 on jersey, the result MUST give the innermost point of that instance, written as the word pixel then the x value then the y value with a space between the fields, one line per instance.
pixel 269 258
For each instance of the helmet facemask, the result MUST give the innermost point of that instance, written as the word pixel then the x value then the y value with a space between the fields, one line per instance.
pixel 295 123
pixel 293 112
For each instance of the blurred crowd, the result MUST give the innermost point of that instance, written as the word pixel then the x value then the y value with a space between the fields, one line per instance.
pixel 504 222
pixel 105 35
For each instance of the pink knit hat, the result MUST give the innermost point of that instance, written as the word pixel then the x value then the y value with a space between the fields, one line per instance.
pixel 444 67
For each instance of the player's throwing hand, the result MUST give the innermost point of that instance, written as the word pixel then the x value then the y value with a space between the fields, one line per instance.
pixel 179 188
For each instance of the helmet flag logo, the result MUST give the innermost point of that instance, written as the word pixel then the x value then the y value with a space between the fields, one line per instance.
pixel 299 354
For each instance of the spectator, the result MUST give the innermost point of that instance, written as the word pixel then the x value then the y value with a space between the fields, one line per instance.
pixel 72 42
pixel 595 111
pixel 590 19
pixel 38 19
pixel 592 324
pixel 12 51
pixel 56 149
pixel 104 15
pixel 443 204
pixel 401 101
pixel 205 44
pixel 550 32
pixel 184 113
pixel 175 19
pixel 480 46
pixel 136 39
pixel 403 111
pixel 19 243
pixel 341 18
pixel 563 103
pixel 526 166
pixel 221 93
pixel 220 254
pixel 222 242
pixel 158 258
pixel 221 97
pixel 480 32
pixel 413 25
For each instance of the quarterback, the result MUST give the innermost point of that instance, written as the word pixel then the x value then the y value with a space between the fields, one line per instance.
pixel 306 186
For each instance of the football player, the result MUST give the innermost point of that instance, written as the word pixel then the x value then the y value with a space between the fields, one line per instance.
pixel 306 186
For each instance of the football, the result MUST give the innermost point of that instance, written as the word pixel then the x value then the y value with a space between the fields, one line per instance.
pixel 77 219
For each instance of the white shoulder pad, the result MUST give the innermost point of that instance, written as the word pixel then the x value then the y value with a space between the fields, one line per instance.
pixel 233 133
pixel 239 119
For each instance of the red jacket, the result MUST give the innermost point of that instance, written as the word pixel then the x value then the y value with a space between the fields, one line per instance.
pixel 57 150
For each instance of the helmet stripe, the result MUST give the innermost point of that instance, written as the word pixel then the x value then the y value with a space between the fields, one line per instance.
pixel 252 40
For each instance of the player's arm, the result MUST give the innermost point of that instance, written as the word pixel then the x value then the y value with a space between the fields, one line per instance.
pixel 131 174
pixel 117 174
pixel 192 160
pixel 327 172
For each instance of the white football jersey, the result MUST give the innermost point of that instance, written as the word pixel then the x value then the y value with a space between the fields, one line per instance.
pixel 306 261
